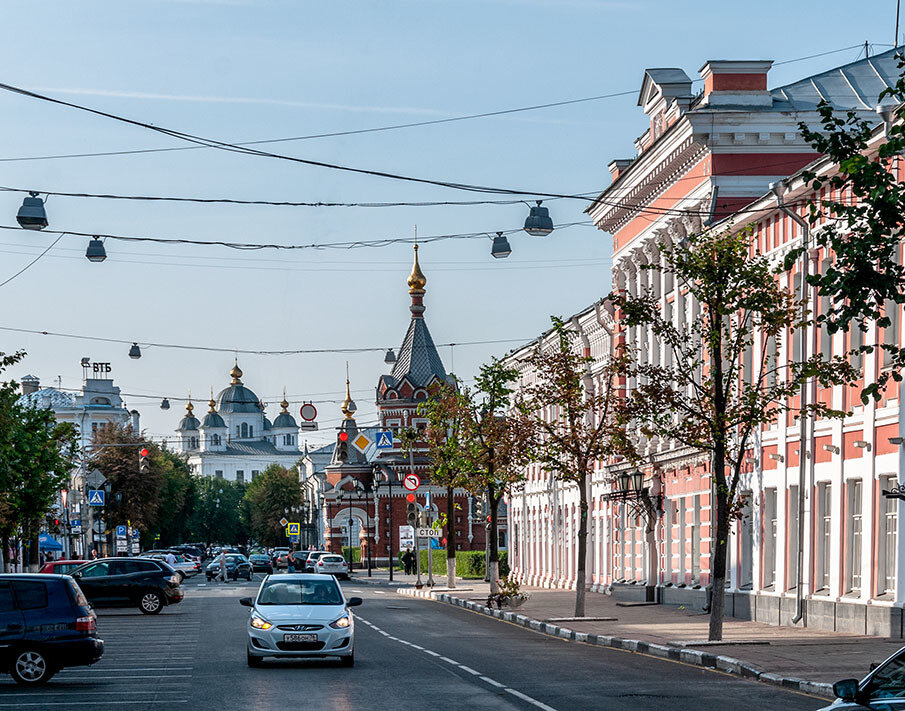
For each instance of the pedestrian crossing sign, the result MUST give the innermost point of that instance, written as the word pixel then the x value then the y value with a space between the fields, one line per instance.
pixel 385 439
pixel 95 497
pixel 292 529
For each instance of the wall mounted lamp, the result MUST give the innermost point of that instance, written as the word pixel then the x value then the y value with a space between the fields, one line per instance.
pixel 831 448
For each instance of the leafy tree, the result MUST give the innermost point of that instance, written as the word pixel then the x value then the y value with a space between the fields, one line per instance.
pixel 590 426
pixel 36 455
pixel 177 499
pixel 217 512
pixel 273 492
pixel 863 228
pixel 718 390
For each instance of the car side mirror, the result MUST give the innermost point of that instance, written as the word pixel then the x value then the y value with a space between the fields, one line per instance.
pixel 846 689
pixel 354 602
pixel 247 601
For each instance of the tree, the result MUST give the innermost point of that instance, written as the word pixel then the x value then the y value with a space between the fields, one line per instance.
pixel 217 517
pixel 177 499
pixel 273 492
pixel 590 427
pixel 863 228
pixel 442 437
pixel 36 456
pixel 719 389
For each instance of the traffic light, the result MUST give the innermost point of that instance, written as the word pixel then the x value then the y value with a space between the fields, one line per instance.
pixel 342 447
pixel 479 507
pixel 411 514
pixel 144 465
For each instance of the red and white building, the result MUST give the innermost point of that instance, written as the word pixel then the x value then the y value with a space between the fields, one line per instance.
pixel 708 159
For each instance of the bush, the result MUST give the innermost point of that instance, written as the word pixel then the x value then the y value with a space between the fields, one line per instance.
pixel 356 553
pixel 469 564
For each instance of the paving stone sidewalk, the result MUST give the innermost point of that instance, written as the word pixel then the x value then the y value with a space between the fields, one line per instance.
pixel 781 653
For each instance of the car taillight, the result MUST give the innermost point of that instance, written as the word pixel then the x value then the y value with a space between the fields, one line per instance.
pixel 85 624
pixel 320 562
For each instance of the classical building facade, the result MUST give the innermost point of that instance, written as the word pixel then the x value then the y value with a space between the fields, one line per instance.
pixel 708 160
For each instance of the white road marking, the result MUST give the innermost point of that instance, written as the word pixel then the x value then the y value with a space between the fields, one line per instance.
pixel 487 679
pixel 19 704
pixel 379 592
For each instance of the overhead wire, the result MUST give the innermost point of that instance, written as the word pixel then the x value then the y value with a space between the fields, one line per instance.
pixel 33 261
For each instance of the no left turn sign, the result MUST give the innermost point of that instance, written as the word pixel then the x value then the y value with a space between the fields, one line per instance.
pixel 411 482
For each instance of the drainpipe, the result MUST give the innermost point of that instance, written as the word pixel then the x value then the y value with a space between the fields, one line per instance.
pixel 778 190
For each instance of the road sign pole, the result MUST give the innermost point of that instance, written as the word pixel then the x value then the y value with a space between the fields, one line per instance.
pixel 392 533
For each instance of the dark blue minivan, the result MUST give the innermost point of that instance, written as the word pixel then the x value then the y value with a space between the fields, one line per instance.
pixel 46 623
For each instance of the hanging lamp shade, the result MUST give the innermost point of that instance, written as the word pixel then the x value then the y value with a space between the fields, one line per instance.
pixel 164 404
pixel 96 251
pixel 637 480
pixel 500 248
pixel 625 481
pixel 32 215
pixel 135 351
pixel 390 357
pixel 539 223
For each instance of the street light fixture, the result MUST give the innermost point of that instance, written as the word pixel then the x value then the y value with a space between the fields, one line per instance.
pixel 135 351
pixel 500 248
pixel 32 215
pixel 96 251
pixel 625 480
pixel 539 223
pixel 390 357
pixel 164 404
pixel 638 480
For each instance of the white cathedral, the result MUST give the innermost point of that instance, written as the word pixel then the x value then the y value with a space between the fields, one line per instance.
pixel 235 440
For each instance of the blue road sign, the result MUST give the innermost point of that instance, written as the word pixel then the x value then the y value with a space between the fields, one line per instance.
pixel 292 529
pixel 75 522
pixel 134 535
pixel 95 497
pixel 121 531
pixel 294 539
pixel 385 439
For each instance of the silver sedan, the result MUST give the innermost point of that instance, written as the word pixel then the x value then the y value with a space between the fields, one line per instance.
pixel 883 689
pixel 300 616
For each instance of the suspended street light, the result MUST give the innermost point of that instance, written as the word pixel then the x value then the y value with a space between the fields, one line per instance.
pixel 135 351
pixel 96 251
pixel 32 215
pixel 390 357
pixel 500 248
pixel 539 223
pixel 164 404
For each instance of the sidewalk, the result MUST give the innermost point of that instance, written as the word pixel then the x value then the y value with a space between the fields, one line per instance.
pixel 784 654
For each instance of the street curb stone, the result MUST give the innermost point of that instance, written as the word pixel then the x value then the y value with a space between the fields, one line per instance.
pixel 695 657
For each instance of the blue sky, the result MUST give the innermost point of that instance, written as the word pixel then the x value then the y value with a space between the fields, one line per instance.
pixel 244 70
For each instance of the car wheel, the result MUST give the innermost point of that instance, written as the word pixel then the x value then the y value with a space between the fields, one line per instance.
pixel 253 661
pixel 31 667
pixel 348 661
pixel 151 603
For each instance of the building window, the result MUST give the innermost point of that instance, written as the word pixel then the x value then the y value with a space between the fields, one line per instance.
pixel 888 532
pixel 254 474
pixel 501 540
pixel 769 518
pixel 240 476
pixel 891 332
pixel 215 440
pixel 696 541
pixel 853 536
pixel 792 518
pixel 244 430
pixel 824 530
pixel 238 431
pixel 218 474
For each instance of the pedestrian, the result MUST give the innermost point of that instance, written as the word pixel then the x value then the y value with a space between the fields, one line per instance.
pixel 222 576
pixel 48 557
pixel 290 561
pixel 94 554
pixel 408 561
pixel 171 559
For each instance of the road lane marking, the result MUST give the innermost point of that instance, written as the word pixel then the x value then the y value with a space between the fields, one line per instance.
pixel 19 705
pixel 453 662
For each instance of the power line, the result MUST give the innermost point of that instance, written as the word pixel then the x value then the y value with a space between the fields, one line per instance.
pixel 33 261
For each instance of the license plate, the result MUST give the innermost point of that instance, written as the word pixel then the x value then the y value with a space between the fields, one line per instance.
pixel 300 638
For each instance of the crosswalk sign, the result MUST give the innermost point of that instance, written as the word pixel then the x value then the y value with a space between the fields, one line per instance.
pixel 95 497
pixel 292 529
pixel 385 439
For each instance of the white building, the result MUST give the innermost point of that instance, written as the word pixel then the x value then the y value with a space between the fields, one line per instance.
pixel 235 440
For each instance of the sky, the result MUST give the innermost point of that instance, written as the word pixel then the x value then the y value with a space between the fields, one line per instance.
pixel 244 70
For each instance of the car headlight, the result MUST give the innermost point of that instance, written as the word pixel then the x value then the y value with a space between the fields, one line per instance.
pixel 341 623
pixel 259 623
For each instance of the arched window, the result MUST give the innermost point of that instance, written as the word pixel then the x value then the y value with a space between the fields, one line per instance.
pixel 244 429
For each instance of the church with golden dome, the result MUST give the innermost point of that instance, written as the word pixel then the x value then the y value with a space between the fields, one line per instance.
pixel 235 440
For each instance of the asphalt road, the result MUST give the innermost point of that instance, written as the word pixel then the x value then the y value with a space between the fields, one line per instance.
pixel 410 655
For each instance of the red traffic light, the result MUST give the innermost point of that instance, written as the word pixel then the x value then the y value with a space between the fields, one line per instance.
pixel 343 436
pixel 56 522
pixel 489 519
pixel 144 452
pixel 410 498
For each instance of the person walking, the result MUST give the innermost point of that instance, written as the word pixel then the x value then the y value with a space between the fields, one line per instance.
pixel 290 561
pixel 171 559
pixel 222 577
pixel 408 561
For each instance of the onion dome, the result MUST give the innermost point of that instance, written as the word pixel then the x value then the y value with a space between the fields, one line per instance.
pixel 212 419
pixel 237 398
pixel 284 419
pixel 348 407
pixel 189 423
pixel 268 425
pixel 416 281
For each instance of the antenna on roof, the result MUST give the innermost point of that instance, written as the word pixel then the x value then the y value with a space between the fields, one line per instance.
pixel 895 41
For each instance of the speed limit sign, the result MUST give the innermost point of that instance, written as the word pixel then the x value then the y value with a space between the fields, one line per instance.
pixel 411 482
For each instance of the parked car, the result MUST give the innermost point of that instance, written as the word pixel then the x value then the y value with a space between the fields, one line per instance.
pixel 300 615
pixel 237 566
pixel 118 582
pixel 62 567
pixel 313 557
pixel 261 563
pixel 279 557
pixel 883 689
pixel 186 549
pixel 184 568
pixel 333 564
pixel 46 624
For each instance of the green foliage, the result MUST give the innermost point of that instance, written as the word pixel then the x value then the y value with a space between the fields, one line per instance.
pixel 177 501
pixel 273 492
pixel 470 564
pixel 356 553
pixel 217 512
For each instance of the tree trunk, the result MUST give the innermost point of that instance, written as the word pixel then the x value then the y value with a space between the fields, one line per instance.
pixel 34 553
pixel 582 557
pixel 720 432
pixel 450 538
pixel 718 569
pixel 492 540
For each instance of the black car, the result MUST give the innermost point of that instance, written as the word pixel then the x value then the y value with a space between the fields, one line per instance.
pixel 119 582
pixel 261 563
pixel 237 566
pixel 46 624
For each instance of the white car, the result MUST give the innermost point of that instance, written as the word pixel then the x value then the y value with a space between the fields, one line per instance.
pixel 332 564
pixel 300 616
pixel 186 568
pixel 883 689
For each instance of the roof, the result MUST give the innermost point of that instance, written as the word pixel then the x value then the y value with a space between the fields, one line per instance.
pixel 237 398
pixel 188 423
pixel 284 419
pixel 256 448
pixel 852 86
pixel 213 419
pixel 48 397
pixel 418 359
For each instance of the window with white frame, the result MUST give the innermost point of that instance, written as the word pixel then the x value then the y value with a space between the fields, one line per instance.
pixel 792 518
pixel 696 540
pixel 824 530
pixel 853 537
pixel 240 476
pixel 888 531
pixel 769 523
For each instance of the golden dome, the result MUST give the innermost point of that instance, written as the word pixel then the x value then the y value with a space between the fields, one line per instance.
pixel 348 407
pixel 212 404
pixel 417 281
pixel 189 407
pixel 236 374
pixel 284 404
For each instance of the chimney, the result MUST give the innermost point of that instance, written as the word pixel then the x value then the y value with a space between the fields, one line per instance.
pixel 30 384
pixel 618 166
pixel 135 422
pixel 736 83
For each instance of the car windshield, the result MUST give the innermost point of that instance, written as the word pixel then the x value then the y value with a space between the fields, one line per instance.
pixel 889 680
pixel 300 592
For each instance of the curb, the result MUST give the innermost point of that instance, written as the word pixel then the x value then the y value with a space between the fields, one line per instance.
pixel 695 657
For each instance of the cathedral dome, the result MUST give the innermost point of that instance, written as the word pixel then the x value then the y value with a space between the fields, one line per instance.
pixel 237 398
pixel 189 423
pixel 267 424
pixel 284 419
pixel 213 419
